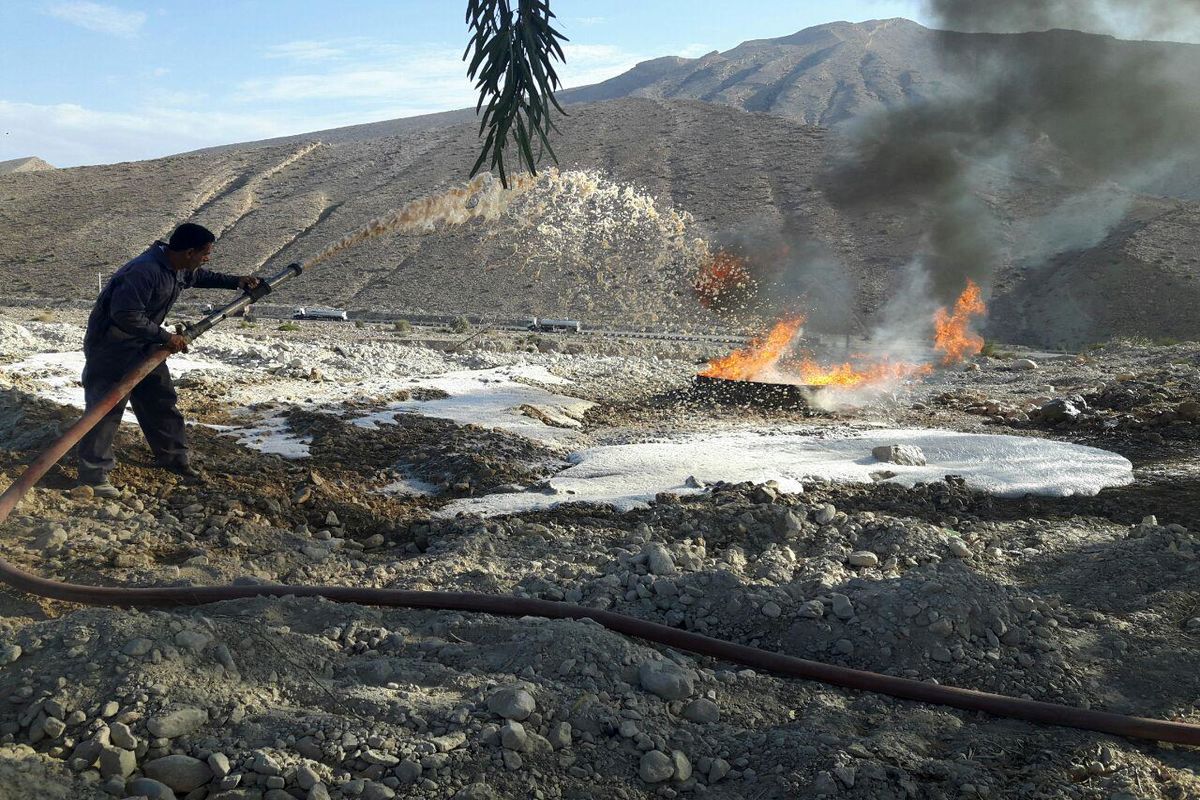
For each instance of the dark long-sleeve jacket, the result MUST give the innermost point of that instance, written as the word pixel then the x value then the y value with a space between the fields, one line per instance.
pixel 129 313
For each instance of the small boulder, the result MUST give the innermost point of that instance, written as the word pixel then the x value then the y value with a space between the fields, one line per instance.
pixel 181 773
pixel 666 679
pixel 655 767
pixel 511 703
pixel 908 455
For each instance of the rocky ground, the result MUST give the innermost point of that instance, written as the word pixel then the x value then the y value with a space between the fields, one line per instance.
pixel 1088 601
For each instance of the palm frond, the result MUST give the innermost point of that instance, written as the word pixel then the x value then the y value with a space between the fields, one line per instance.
pixel 510 59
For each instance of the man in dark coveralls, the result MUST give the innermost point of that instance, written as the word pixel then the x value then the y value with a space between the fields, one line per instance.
pixel 125 326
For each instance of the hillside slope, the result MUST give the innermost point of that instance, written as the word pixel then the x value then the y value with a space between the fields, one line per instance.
pixel 750 176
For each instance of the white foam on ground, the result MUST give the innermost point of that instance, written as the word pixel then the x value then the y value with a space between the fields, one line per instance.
pixel 271 436
pixel 627 476
pixel 60 375
pixel 409 487
pixel 492 398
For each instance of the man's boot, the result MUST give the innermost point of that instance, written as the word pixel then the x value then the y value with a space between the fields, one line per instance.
pixel 103 489
pixel 183 469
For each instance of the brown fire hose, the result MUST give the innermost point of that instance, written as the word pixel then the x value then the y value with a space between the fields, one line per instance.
pixel 124 596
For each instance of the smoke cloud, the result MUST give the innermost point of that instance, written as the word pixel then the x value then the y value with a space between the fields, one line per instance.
pixel 1092 112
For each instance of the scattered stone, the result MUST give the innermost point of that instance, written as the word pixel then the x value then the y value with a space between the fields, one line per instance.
pixel 666 679
pixel 864 558
pixel 182 773
pixel 771 609
pixel 136 648
pixel 9 653
pixel 513 736
pixel 115 761
pixel 120 736
pixel 655 767
pixel 825 514
pixel 475 791
pixel 842 607
pixel 150 789
pixel 1058 411
pixel 659 560
pixel 958 547
pixel 908 455
pixel 682 766
pixel 177 723
pixel 560 735
pixel 407 771
pixel 511 703
pixel 703 711
pixel 1024 364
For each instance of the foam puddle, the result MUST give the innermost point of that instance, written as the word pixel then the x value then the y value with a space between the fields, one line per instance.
pixel 494 398
pixel 627 476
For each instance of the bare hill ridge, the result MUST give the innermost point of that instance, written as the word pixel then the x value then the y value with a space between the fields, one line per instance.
pixel 731 170
pixel 27 164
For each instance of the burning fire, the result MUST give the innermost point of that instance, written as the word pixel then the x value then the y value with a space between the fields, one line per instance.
pixel 761 356
pixel 850 376
pixel 767 358
pixel 953 336
pixel 721 279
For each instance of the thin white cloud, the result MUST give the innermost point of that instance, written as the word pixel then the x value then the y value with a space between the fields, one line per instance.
pixel 306 50
pixel 427 77
pixel 588 21
pixel 695 50
pixel 367 81
pixel 67 134
pixel 592 63
pixel 99 17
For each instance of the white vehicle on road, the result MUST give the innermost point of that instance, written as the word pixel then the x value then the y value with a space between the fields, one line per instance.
pixel 319 313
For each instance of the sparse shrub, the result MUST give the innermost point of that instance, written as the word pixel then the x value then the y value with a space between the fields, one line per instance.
pixel 45 315
pixel 358 323
pixel 402 326
pixel 247 323
pixel 1166 341
pixel 288 326
pixel 988 349
pixel 460 325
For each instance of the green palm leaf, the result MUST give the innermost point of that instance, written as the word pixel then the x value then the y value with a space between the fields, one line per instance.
pixel 511 53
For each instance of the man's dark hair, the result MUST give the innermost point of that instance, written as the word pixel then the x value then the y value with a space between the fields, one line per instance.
pixel 189 235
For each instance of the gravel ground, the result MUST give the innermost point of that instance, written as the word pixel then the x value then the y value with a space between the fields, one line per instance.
pixel 1088 601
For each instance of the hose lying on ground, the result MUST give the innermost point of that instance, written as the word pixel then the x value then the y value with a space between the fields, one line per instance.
pixel 908 689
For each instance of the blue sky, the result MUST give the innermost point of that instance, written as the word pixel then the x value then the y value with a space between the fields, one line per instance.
pixel 85 82
pixel 89 82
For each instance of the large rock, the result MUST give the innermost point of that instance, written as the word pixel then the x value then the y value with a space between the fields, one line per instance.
pixel 1058 410
pixel 659 560
pixel 180 722
pixel 666 679
pixel 655 767
pixel 908 455
pixel 181 773
pixel 511 703
pixel 149 788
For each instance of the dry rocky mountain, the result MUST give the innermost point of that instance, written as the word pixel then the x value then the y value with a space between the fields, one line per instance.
pixel 29 164
pixel 735 173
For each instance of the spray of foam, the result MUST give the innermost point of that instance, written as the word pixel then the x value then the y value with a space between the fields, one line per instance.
pixel 609 245
pixel 481 198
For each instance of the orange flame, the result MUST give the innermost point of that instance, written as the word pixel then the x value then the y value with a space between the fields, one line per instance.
pixel 765 358
pixel 721 276
pixel 761 355
pixel 848 375
pixel 953 336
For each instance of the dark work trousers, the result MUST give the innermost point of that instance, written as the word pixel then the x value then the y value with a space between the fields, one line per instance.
pixel 153 402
